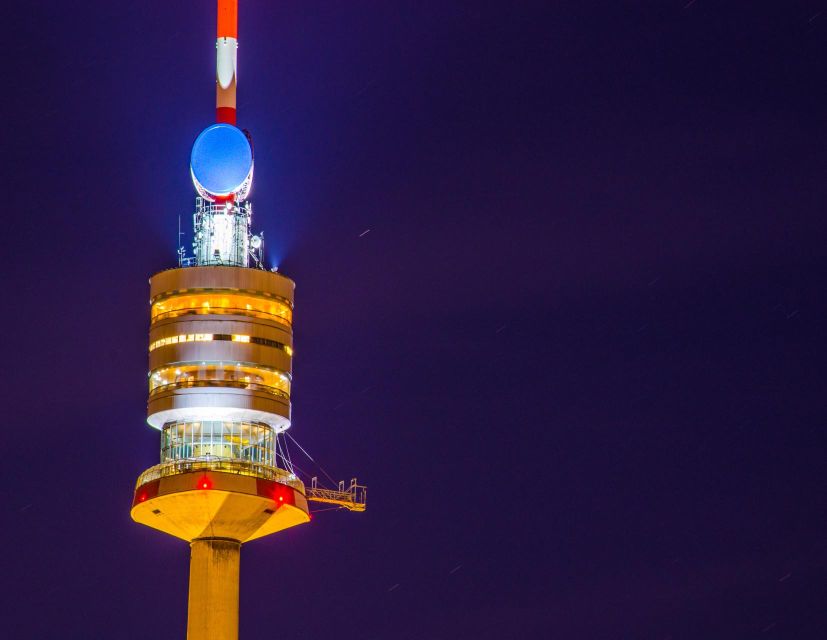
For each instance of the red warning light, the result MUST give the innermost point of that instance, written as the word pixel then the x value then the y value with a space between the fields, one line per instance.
pixel 142 497
pixel 281 498
pixel 204 483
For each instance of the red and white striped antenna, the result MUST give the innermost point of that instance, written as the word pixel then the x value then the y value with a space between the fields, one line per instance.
pixel 226 70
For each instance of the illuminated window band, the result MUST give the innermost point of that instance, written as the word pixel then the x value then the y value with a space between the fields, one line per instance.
pixel 205 440
pixel 220 374
pixel 210 337
pixel 217 302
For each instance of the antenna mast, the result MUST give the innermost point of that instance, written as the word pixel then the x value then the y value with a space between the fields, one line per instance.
pixel 226 46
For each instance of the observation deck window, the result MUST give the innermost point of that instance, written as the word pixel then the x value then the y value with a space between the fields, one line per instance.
pixel 210 337
pixel 206 440
pixel 217 302
pixel 219 374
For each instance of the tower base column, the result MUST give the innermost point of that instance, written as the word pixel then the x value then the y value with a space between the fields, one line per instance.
pixel 213 597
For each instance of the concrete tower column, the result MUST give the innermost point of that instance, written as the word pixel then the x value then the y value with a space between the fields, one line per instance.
pixel 213 597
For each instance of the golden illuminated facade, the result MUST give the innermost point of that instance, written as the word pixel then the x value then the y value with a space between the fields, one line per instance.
pixel 219 380
pixel 220 368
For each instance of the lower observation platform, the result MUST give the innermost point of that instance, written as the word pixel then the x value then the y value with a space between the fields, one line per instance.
pixel 236 500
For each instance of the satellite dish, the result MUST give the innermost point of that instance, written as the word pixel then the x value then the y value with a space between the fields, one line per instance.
pixel 255 242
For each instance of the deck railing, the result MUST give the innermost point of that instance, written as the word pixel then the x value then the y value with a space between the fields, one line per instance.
pixel 224 465
pixel 352 497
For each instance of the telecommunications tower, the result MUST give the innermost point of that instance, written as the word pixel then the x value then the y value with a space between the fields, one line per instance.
pixel 220 374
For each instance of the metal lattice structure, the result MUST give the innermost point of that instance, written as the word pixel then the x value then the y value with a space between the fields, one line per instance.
pixel 222 233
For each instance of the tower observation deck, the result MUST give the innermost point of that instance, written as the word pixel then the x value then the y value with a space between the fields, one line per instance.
pixel 220 378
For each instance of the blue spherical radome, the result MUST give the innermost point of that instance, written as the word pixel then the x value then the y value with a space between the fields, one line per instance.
pixel 221 159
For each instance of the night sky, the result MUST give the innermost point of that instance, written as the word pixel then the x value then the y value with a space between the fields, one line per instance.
pixel 560 305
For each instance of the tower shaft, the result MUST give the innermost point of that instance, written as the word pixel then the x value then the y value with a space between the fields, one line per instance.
pixel 213 596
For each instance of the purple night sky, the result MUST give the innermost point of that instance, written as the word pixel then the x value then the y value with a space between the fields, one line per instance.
pixel 578 358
